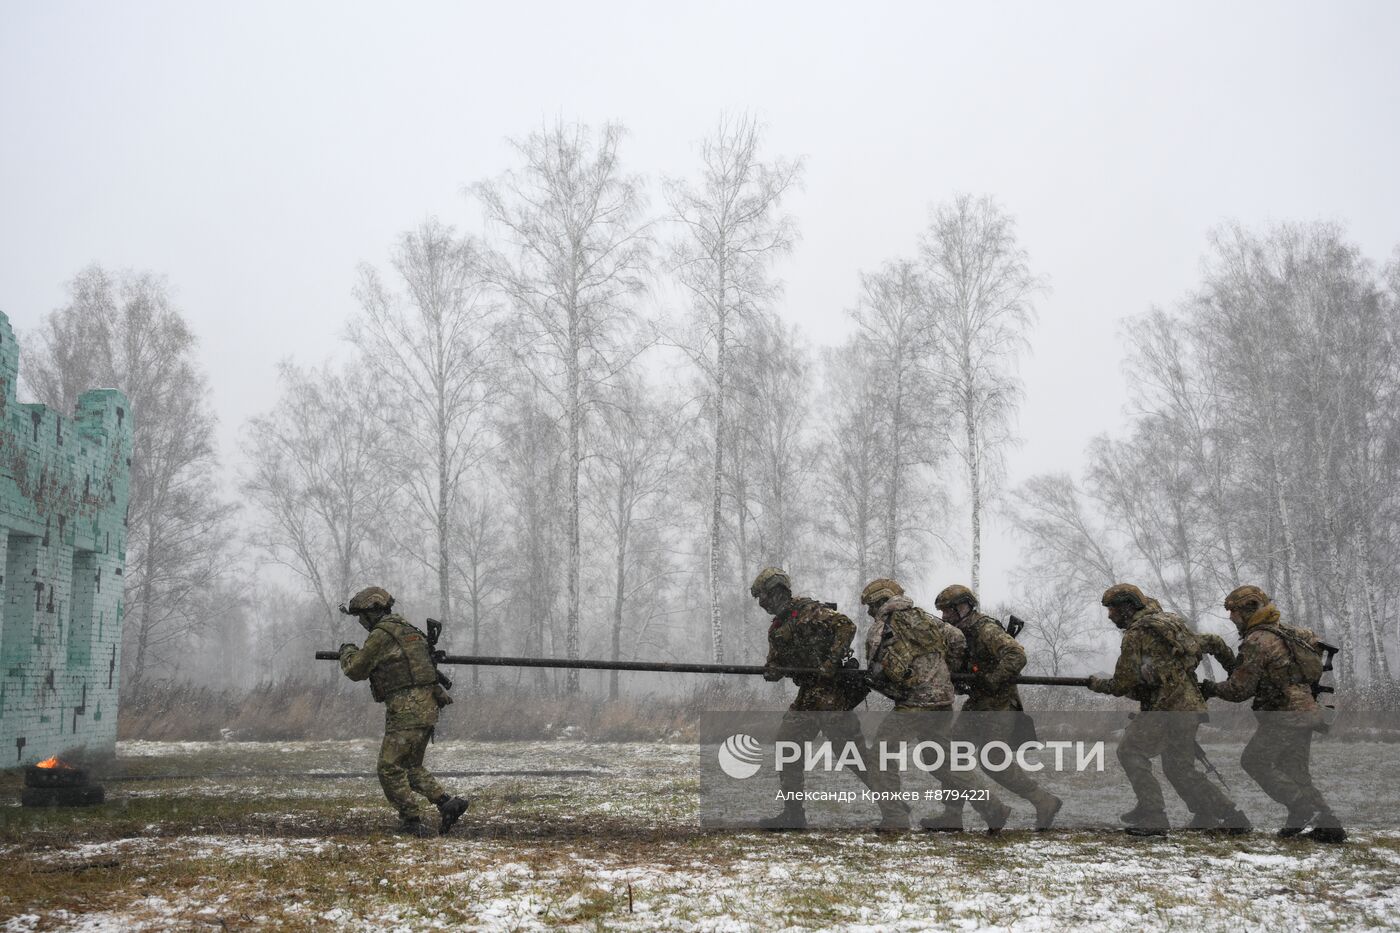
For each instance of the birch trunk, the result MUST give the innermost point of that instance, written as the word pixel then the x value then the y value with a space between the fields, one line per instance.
pixel 717 489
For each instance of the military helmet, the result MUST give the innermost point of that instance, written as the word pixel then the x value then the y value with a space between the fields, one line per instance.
pixel 371 599
pixel 877 591
pixel 952 595
pixel 1242 597
pixel 1124 593
pixel 767 578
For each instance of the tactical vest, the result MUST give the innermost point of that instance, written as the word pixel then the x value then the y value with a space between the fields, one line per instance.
pixel 410 666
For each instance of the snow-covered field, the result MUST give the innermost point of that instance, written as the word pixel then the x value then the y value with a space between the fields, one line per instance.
pixel 258 839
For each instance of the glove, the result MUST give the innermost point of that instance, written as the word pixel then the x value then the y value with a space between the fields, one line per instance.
pixel 1098 684
pixel 1208 688
pixel 771 675
pixel 348 646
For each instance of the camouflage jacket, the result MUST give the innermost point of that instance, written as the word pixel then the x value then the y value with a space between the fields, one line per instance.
pixel 1268 671
pixel 809 634
pixel 995 658
pixel 1157 663
pixel 408 703
pixel 910 653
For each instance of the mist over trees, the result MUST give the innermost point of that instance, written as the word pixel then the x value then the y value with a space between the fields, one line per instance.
pixel 581 431
pixel 121 330
pixel 1263 448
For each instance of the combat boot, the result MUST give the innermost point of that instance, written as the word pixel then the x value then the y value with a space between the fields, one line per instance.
pixel 1202 821
pixel 1233 822
pixel 792 817
pixel 1148 824
pixel 1135 815
pixel 415 827
pixel 1296 821
pixel 996 817
pixel 1326 828
pixel 1047 805
pixel 949 821
pixel 894 819
pixel 451 809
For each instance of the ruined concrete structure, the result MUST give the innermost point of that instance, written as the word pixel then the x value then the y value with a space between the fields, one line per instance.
pixel 64 483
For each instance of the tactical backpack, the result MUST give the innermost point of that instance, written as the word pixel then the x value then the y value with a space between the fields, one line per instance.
pixel 1173 631
pixel 916 637
pixel 1304 649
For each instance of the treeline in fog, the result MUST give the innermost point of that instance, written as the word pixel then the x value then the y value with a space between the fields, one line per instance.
pixel 581 431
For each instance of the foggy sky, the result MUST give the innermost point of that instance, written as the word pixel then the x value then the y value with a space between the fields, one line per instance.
pixel 256 153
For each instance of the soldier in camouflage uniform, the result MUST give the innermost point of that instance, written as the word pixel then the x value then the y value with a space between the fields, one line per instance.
pixel 994 659
pixel 1156 666
pixel 909 658
pixel 805 633
pixel 396 660
pixel 1277 666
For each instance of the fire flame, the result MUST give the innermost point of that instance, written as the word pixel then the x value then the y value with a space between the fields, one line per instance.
pixel 53 762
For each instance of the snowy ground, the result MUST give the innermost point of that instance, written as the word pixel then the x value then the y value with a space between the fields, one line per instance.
pixel 615 848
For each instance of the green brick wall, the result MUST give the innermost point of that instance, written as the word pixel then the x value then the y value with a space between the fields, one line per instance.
pixel 64 480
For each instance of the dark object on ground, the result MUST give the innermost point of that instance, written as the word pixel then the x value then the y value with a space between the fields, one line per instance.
pixel 451 810
pixel 55 783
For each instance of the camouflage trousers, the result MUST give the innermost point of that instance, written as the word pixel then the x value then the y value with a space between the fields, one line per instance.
pixel 979 728
pixel 804 725
pixel 1172 737
pixel 914 725
pixel 1278 758
pixel 401 770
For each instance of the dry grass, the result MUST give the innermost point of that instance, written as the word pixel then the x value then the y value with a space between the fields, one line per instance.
pixel 320 709
pixel 542 853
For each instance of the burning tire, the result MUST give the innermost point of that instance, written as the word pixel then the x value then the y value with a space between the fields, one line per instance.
pixel 58 775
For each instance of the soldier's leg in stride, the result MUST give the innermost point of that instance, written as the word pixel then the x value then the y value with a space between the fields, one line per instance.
pixel 450 808
pixel 1142 741
pixel 395 760
pixel 797 726
pixel 962 785
pixel 1211 808
pixel 951 819
pixel 419 777
pixel 1277 758
pixel 842 727
pixel 1002 727
pixel 895 728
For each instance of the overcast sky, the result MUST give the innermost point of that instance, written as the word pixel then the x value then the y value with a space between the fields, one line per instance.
pixel 256 153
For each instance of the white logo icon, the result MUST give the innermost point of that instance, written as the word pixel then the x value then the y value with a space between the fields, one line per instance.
pixel 739 756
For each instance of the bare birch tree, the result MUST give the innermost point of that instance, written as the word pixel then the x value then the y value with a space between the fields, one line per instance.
pixel 431 351
pixel 576 256
pixel 629 476
pixel 895 323
pixel 122 330
pixel 479 536
pixel 1058 626
pixel 732 230
pixel 851 481
pixel 981 288
pixel 324 473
